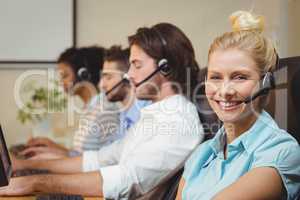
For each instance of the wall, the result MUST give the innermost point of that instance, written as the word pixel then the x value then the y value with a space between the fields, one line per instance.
pixel 293 28
pixel 110 23
pixel 106 23
pixel 14 131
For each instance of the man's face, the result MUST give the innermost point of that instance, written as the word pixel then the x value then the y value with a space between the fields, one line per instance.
pixel 141 66
pixel 110 76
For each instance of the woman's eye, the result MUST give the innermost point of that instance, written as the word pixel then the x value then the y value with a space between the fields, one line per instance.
pixel 214 78
pixel 240 77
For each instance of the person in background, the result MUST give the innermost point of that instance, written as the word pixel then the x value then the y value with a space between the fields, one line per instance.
pixel 79 70
pixel 159 142
pixel 100 122
pixel 250 157
pixel 103 123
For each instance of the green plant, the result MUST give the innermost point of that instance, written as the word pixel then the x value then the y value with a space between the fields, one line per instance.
pixel 42 101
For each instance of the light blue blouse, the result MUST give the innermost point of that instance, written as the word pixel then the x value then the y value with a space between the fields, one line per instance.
pixel 263 145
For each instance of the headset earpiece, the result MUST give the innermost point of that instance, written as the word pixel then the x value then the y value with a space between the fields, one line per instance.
pixel 83 74
pixel 267 84
pixel 164 67
pixel 268 81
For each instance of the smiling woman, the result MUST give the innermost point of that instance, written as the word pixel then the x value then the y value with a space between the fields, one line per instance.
pixel 250 151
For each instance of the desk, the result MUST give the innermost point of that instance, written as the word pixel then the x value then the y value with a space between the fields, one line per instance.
pixel 33 198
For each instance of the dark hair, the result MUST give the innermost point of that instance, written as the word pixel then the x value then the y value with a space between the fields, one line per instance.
pixel 117 54
pixel 90 58
pixel 165 40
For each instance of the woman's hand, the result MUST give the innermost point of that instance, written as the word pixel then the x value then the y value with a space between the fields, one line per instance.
pixel 17 164
pixel 43 141
pixel 44 152
pixel 19 186
pixel 48 156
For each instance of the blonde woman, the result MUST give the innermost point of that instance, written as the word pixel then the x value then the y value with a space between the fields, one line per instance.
pixel 250 157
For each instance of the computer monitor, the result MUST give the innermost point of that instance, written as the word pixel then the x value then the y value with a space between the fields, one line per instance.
pixel 5 162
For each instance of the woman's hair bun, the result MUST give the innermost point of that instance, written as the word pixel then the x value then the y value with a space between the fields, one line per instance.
pixel 246 21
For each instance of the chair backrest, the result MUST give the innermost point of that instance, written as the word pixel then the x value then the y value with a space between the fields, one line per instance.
pixel 284 101
pixel 165 190
pixel 173 186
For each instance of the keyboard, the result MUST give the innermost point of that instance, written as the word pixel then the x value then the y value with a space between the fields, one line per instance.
pixel 27 172
pixel 59 197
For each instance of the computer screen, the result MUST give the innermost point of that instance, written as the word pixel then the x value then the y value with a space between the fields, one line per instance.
pixel 5 163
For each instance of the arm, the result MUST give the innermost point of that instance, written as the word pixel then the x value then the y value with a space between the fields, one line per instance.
pixel 108 155
pixel 47 156
pixel 180 189
pixel 43 141
pixel 36 150
pixel 86 184
pixel 150 162
pixel 260 183
pixel 66 165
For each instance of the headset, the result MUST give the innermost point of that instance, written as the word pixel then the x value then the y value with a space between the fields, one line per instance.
pixel 83 73
pixel 162 65
pixel 267 83
pixel 125 80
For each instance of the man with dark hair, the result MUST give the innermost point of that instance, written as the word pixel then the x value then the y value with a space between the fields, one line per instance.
pixel 176 48
pixel 159 143
pixel 106 119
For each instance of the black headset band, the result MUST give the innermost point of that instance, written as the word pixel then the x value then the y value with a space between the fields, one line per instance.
pixel 162 41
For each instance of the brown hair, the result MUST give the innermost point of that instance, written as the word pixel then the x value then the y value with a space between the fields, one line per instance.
pixel 90 58
pixel 165 40
pixel 117 54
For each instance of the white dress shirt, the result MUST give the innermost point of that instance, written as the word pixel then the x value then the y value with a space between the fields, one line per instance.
pixel 165 135
pixel 97 126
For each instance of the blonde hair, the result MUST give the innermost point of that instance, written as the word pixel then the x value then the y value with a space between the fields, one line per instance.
pixel 246 35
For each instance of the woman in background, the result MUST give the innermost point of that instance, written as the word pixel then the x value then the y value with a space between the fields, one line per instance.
pixel 79 70
pixel 250 157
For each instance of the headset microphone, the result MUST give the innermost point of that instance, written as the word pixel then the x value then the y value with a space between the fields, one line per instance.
pixel 162 68
pixel 124 80
pixel 268 83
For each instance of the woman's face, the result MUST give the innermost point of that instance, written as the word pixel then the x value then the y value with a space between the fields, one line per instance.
pixel 232 76
pixel 67 76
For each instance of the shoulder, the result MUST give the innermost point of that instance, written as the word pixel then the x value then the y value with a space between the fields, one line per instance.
pixel 278 146
pixel 269 142
pixel 281 152
pixel 197 159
